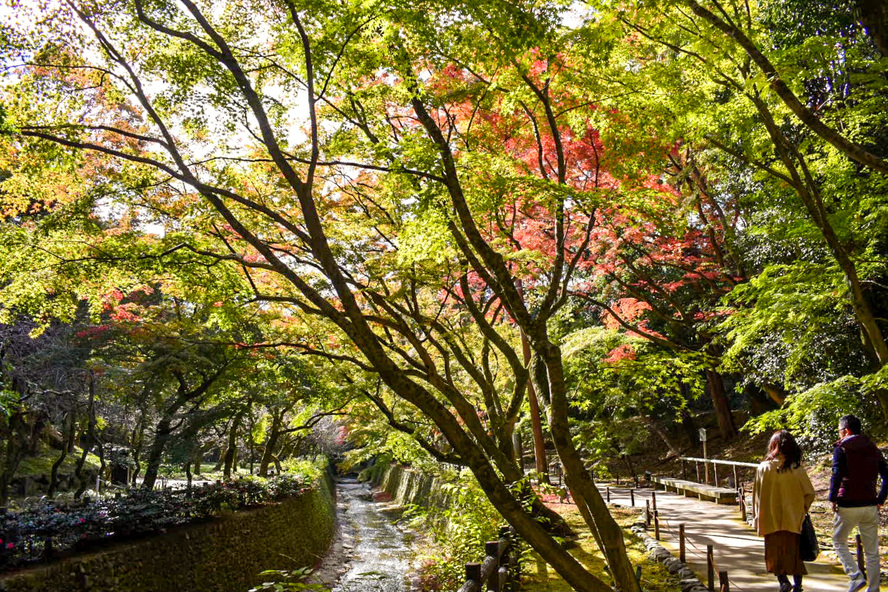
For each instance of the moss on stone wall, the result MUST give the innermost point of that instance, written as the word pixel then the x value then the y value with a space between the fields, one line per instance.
pixel 407 486
pixel 225 555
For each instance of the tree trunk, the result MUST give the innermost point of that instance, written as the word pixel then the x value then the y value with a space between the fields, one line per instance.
pixel 658 429
pixel 90 436
pixel 539 441
pixel 722 405
pixel 510 508
pixel 138 441
pixel 231 448
pixel 219 463
pixel 277 420
pixel 762 398
pixel 78 471
pixel 598 518
pixel 519 450
pixel 67 446
pixel 197 459
pixel 103 465
pixel 251 424
pixel 690 428
pixel 14 453
pixel 188 477
pixel 162 434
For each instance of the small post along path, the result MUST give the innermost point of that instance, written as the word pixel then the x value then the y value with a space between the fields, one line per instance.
pixel 738 550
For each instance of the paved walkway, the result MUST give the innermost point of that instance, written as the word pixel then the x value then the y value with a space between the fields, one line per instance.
pixel 738 550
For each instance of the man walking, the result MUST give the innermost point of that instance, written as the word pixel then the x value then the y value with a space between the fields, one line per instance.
pixel 857 465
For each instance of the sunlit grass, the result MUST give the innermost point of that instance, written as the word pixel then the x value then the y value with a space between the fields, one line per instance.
pixel 538 577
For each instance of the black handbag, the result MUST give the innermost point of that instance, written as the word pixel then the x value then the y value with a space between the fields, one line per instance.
pixel 809 548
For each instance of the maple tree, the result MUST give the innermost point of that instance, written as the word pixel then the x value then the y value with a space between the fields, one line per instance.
pixel 648 265
pixel 659 272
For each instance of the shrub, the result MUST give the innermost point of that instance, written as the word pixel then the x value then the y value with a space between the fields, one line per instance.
pixel 456 531
pixel 47 527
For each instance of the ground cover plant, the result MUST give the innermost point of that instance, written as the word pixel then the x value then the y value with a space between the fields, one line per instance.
pixel 46 528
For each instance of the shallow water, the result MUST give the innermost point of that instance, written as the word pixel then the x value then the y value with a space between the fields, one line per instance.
pixel 380 559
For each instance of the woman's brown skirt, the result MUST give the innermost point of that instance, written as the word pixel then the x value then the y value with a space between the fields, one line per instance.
pixel 782 553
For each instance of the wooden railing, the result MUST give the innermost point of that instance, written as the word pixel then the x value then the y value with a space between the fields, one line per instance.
pixel 734 480
pixel 499 570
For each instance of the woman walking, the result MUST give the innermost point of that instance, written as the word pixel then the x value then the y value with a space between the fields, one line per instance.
pixel 781 495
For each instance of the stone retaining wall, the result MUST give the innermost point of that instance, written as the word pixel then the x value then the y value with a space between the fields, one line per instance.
pixel 406 486
pixel 225 555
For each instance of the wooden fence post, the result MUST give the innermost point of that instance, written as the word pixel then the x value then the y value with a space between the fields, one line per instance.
pixel 710 567
pixel 656 525
pixel 723 585
pixel 697 466
pixel 654 501
pixel 473 573
pixel 502 578
pixel 509 560
pixel 632 497
pixel 608 490
pixel 741 499
pixel 491 549
pixel 505 559
pixel 715 473
pixel 681 543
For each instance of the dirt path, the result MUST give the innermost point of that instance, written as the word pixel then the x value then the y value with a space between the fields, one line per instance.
pixel 738 550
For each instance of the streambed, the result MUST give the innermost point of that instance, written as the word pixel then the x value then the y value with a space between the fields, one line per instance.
pixel 375 551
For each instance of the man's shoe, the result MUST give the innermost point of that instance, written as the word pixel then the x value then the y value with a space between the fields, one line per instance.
pixel 856 584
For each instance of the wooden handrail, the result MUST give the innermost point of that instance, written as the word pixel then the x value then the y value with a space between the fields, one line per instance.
pixel 719 462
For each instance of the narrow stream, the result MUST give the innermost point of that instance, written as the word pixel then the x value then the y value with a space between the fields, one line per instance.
pixel 380 557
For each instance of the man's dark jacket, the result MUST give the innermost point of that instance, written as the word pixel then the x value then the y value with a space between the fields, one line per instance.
pixel 857 464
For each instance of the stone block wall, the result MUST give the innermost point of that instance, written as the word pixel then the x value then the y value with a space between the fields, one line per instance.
pixel 225 555
pixel 407 486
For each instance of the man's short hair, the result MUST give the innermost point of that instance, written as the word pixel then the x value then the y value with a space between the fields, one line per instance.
pixel 850 423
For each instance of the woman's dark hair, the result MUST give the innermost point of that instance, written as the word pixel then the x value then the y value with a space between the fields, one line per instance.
pixel 783 443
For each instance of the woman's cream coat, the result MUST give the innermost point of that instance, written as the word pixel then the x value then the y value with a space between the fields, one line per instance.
pixel 780 498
